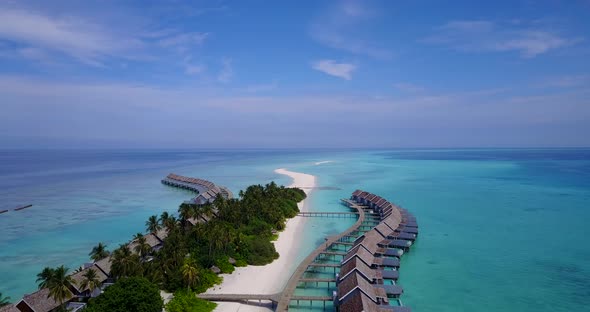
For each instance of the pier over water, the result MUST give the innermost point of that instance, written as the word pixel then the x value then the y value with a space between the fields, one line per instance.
pixel 357 269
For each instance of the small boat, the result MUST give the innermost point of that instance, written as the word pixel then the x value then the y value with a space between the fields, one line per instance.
pixel 3 211
pixel 22 207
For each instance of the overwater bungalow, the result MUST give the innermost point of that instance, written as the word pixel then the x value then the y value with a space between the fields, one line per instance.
pixel 207 190
pixel 358 301
pixel 356 265
pixel 356 283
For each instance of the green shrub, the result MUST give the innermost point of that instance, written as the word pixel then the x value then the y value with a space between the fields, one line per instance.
pixel 184 301
pixel 224 265
pixel 206 280
pixel 260 251
pixel 128 294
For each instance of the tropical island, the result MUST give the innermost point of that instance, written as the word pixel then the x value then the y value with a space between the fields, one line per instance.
pixel 180 254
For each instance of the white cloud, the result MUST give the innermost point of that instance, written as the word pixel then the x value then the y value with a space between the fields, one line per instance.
pixel 568 81
pixel 487 36
pixel 193 69
pixel 89 43
pixel 184 40
pixel 47 36
pixel 340 27
pixel 226 73
pixel 331 67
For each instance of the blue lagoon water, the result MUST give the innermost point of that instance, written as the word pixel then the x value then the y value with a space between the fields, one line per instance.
pixel 500 229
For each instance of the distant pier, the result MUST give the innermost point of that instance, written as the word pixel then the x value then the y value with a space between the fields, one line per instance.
pixel 206 191
pixel 23 207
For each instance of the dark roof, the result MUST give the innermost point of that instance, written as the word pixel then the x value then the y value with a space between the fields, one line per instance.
pixel 388 262
pixel 394 290
pixel 40 302
pixel 390 274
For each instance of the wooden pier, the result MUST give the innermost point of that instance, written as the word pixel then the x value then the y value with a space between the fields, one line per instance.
pixel 329 214
pixel 288 292
pixel 23 207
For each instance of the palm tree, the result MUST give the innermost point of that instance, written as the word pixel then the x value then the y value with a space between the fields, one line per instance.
pixel 164 218
pixel 185 212
pixel 208 210
pixel 124 263
pixel 171 223
pixel 190 273
pixel 153 224
pixel 141 245
pixel 45 277
pixel 99 252
pixel 4 300
pixel 59 285
pixel 90 281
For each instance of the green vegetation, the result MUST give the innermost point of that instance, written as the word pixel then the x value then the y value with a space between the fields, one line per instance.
pixel 98 252
pixel 90 280
pixel 202 238
pixel 6 300
pixel 186 301
pixel 242 229
pixel 57 281
pixel 128 294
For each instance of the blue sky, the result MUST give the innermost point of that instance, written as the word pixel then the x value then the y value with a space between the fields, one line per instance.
pixel 224 74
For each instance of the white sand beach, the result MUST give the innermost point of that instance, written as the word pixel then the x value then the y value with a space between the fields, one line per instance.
pixel 270 278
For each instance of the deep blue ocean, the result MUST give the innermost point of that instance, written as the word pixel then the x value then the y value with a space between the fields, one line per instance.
pixel 500 229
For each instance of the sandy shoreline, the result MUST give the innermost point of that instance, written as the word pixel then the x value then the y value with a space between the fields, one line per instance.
pixel 270 278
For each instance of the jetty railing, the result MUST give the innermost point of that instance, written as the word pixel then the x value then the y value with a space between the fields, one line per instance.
pixel 289 289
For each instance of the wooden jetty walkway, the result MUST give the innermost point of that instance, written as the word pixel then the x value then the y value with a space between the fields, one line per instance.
pixel 288 292
pixel 240 297
pixel 328 214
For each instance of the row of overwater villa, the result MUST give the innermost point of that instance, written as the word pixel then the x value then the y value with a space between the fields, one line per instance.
pixel 359 270
pixel 207 191
pixel 40 301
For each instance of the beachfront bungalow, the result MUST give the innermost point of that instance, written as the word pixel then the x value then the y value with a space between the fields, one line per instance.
pixel 161 234
pixel 38 302
pixel 9 308
pixel 151 239
pixel 104 265
pixel 79 277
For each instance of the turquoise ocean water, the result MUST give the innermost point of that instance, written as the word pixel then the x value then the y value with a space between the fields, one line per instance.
pixel 499 229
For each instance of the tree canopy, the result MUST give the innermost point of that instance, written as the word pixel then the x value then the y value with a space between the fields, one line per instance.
pixel 128 294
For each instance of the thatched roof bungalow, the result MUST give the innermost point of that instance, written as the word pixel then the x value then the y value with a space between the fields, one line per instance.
pixel 79 277
pixel 39 301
